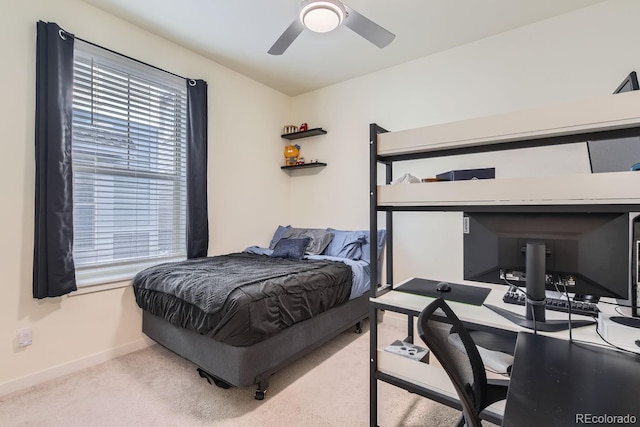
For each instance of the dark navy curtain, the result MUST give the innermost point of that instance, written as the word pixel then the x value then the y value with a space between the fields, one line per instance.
pixel 197 215
pixel 53 267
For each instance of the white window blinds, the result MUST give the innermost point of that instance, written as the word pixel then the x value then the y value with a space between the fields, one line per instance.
pixel 129 165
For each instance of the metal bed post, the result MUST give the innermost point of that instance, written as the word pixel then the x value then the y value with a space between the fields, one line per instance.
pixel 373 236
pixel 374 130
pixel 389 225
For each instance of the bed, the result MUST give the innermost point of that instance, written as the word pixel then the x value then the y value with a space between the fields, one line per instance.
pixel 241 317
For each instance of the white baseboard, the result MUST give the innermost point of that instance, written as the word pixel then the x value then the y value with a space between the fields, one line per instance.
pixel 73 366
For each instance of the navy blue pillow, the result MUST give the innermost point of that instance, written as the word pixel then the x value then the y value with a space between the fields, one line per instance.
pixel 291 248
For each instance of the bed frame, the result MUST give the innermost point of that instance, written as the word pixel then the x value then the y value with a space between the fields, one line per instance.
pixel 227 365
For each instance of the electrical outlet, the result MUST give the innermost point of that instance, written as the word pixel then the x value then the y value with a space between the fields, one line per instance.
pixel 25 337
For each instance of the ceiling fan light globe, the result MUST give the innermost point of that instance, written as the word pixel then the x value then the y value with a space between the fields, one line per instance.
pixel 322 16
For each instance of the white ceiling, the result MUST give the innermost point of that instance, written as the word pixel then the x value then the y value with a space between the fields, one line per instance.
pixel 238 33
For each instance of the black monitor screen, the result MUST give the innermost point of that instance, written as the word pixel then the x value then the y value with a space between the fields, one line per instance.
pixel 616 155
pixel 586 252
pixel 628 84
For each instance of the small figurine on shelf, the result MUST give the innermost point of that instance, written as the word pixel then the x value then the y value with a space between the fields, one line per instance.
pixel 291 153
pixel 289 129
pixel 303 127
pixel 300 161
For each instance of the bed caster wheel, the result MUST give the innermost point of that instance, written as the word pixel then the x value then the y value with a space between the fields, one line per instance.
pixel 261 388
pixel 358 328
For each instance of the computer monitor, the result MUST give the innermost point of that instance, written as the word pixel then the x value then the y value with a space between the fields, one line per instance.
pixel 585 253
pixel 628 84
pixel 619 154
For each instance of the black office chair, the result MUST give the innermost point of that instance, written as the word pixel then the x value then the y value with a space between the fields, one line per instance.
pixel 451 344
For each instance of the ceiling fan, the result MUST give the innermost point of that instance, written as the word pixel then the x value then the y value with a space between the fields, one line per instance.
pixel 322 16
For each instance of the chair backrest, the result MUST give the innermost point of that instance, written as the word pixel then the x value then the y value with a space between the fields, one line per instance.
pixel 451 344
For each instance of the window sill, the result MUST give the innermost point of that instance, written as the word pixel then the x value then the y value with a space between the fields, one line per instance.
pixel 90 289
pixel 97 279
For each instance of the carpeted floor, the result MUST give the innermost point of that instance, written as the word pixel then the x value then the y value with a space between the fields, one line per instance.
pixel 154 387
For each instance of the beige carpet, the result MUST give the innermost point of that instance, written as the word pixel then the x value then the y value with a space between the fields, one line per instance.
pixel 154 387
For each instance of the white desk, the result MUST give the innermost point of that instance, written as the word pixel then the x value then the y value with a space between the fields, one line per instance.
pixel 483 317
pixel 431 381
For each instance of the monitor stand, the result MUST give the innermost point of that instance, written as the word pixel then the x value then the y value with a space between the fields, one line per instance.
pixel 546 326
pixel 536 299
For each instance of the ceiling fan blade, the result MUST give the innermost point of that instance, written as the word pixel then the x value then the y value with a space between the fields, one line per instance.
pixel 285 40
pixel 367 28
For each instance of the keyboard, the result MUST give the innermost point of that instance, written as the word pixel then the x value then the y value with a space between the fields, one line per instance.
pixel 555 304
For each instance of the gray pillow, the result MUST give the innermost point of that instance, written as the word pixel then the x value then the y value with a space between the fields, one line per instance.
pixel 293 233
pixel 290 248
pixel 279 233
pixel 319 238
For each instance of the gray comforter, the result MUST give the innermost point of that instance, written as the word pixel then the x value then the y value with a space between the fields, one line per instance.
pixel 241 298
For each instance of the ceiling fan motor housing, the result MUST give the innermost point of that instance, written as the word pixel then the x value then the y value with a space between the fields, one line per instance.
pixel 322 16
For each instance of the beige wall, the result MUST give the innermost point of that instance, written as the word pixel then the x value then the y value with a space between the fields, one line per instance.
pixel 578 55
pixel 245 120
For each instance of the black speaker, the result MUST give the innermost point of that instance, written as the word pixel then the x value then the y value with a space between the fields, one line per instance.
pixel 635 266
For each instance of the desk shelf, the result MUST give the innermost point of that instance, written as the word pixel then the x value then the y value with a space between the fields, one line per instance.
pixel 425 379
pixel 540 126
pixel 599 189
pixel 423 375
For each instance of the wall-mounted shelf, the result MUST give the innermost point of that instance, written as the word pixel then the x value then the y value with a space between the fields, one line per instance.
pixel 305 166
pixel 304 133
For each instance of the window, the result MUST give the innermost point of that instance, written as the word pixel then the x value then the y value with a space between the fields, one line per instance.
pixel 129 165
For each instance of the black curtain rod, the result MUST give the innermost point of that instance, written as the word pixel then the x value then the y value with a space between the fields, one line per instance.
pixel 128 57
pixel 124 56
